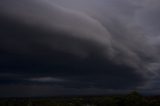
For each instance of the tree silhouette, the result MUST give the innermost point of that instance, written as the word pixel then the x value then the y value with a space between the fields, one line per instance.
pixel 134 99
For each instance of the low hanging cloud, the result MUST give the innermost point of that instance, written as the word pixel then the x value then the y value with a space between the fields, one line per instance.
pixel 46 79
pixel 50 43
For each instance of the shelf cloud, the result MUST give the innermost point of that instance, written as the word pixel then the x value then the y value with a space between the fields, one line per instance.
pixel 76 45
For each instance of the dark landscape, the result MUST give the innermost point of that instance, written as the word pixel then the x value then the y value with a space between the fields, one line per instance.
pixel 132 99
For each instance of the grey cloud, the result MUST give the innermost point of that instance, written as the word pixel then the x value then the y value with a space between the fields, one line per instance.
pixel 46 79
pixel 46 38
pixel 148 17
pixel 88 29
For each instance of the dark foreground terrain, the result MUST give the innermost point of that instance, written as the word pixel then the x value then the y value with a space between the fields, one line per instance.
pixel 133 99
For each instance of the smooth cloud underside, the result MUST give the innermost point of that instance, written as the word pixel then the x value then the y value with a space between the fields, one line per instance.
pixel 46 44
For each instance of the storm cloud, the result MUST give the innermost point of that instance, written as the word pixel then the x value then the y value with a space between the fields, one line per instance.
pixel 75 45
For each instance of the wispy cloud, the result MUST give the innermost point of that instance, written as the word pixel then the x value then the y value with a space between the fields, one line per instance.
pixel 46 79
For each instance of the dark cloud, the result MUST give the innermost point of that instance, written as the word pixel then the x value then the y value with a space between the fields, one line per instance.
pixel 44 45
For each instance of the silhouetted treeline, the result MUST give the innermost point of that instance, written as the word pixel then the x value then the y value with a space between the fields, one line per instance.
pixel 132 99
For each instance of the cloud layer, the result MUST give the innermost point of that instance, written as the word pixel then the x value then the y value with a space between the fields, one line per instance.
pixel 68 44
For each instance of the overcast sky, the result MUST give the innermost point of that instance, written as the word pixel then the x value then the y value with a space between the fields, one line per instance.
pixel 70 47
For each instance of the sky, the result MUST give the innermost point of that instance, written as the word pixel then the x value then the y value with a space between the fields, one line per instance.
pixel 79 47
